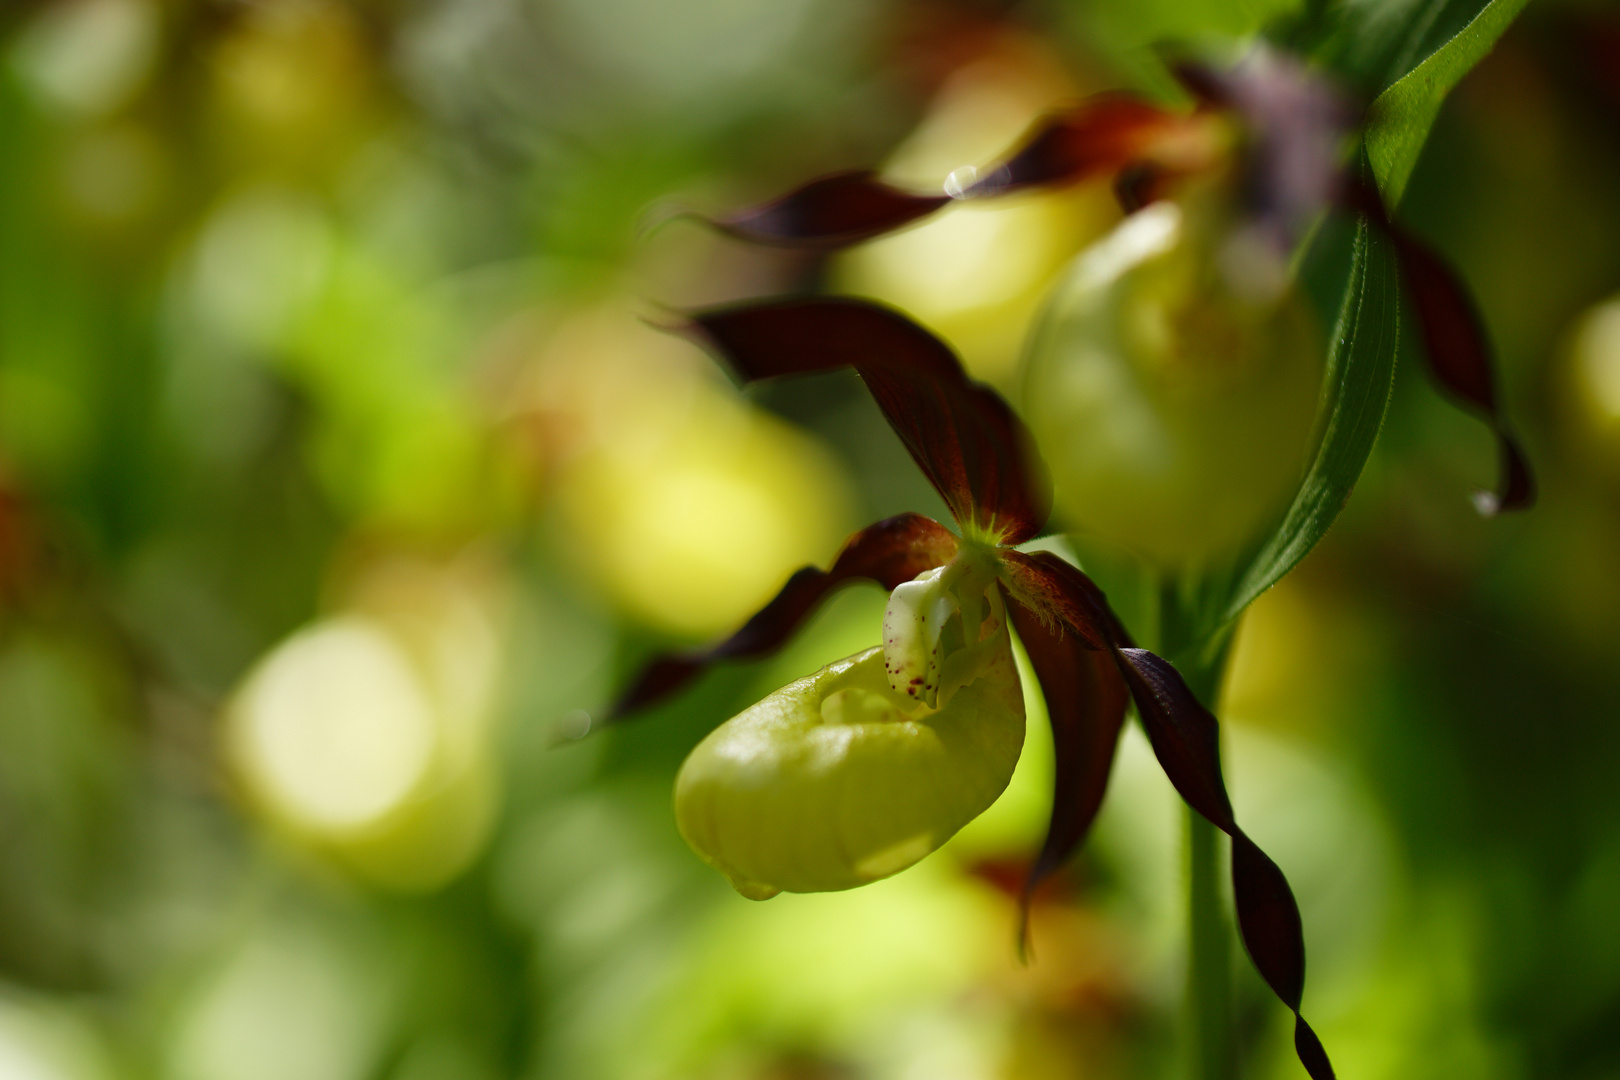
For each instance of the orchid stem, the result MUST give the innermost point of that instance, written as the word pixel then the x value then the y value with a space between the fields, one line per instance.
pixel 1209 956
pixel 1209 1008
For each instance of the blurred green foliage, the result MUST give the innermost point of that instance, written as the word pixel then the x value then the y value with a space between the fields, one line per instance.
pixel 323 316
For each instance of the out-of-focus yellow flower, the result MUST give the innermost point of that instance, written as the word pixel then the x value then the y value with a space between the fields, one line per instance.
pixel 87 59
pixel 367 733
pixel 976 272
pixel 688 506
pixel 42 1040
pixel 1595 369
pixel 291 81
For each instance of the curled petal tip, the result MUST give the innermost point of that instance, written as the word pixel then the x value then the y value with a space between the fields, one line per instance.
pixel 830 213
pixel 673 321
pixel 661 213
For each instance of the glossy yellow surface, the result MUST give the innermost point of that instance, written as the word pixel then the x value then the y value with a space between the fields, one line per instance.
pixel 836 780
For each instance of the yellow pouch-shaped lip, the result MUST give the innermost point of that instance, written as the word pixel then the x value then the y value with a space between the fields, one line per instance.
pixel 836 780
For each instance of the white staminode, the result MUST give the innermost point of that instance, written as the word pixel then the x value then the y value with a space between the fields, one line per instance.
pixel 933 626
pixel 912 627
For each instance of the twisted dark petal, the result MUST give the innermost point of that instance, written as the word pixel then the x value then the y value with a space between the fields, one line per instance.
pixel 831 212
pixel 970 445
pixel 1186 740
pixel 1067 628
pixel 1097 137
pixel 1459 356
pixel 891 552
pixel 1085 704
pixel 1185 736
pixel 1269 919
pixel 1310 1051
pixel 1456 347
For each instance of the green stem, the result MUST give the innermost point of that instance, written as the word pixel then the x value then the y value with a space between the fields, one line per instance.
pixel 1209 956
pixel 1212 1046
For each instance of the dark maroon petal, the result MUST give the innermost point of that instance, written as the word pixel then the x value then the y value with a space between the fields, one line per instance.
pixel 1186 740
pixel 1309 1049
pixel 1269 919
pixel 973 449
pixel 1459 355
pixel 1185 736
pixel 831 212
pixel 1085 704
pixel 1062 597
pixel 1456 347
pixel 1096 138
pixel 891 552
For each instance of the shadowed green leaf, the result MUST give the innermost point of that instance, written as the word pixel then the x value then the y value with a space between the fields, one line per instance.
pixel 1398 121
pixel 1356 388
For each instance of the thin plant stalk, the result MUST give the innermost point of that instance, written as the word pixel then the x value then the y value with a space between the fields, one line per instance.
pixel 1211 1042
pixel 1209 956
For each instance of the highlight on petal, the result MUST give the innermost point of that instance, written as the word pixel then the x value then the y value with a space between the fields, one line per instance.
pixel 1085 704
pixel 831 212
pixel 967 440
pixel 1098 137
pixel 893 551
pixel 1186 740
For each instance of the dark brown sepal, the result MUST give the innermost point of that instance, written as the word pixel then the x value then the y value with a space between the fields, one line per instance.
pixel 1085 704
pixel 831 212
pixel 1456 347
pixel 1095 138
pixel 966 439
pixel 1459 355
pixel 891 552
pixel 1061 595
pixel 1184 734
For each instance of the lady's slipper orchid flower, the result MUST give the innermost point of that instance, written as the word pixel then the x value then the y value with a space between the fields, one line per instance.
pixel 856 772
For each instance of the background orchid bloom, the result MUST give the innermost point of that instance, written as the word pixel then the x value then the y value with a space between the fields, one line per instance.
pixel 1269 129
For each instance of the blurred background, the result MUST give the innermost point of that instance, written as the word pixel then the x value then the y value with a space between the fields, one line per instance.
pixel 342 479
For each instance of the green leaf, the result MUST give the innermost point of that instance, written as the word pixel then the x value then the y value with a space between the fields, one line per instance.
pixel 1399 120
pixel 1356 388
